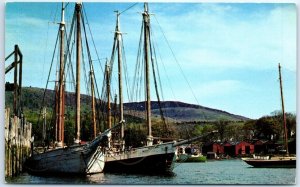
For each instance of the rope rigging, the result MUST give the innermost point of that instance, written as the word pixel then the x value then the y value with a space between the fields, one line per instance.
pixel 135 92
pixel 139 78
pixel 155 83
pixel 68 70
pixel 44 93
pixel 175 59
pixel 90 60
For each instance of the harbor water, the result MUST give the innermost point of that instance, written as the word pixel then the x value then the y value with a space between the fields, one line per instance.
pixel 211 172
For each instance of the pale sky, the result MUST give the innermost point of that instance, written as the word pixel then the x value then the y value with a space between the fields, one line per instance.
pixel 228 52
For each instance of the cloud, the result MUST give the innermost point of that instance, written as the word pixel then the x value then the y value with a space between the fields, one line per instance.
pixel 218 36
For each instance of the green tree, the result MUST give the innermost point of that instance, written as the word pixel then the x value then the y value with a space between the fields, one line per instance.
pixel 234 131
pixel 249 129
pixel 135 137
pixel 268 128
pixel 221 126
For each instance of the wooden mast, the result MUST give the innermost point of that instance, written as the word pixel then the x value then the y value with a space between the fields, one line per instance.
pixel 146 20
pixel 56 108
pixel 118 34
pixel 93 104
pixel 78 56
pixel 107 74
pixel 44 123
pixel 108 96
pixel 115 108
pixel 60 129
pixel 283 113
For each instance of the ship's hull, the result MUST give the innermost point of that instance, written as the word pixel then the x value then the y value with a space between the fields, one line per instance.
pixel 272 163
pixel 149 159
pixel 79 160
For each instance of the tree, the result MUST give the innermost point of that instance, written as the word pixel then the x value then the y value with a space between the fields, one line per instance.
pixel 291 124
pixel 234 131
pixel 268 127
pixel 134 137
pixel 221 126
pixel 250 130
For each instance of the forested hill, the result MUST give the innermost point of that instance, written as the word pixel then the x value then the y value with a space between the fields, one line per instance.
pixel 184 112
pixel 178 111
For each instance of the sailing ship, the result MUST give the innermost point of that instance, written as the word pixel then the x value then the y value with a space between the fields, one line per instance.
pixel 284 161
pixel 79 158
pixel 151 158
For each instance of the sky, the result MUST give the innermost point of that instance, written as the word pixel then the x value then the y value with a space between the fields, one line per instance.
pixel 226 55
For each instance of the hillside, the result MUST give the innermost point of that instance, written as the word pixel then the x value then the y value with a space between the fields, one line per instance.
pixel 184 112
pixel 174 110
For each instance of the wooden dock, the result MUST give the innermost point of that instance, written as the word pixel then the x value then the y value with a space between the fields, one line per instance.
pixel 17 143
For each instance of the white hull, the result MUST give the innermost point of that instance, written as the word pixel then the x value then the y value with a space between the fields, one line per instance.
pixel 80 159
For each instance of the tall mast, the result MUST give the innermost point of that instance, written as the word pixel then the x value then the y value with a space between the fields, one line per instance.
pixel 44 123
pixel 115 109
pixel 93 104
pixel 118 33
pixel 60 129
pixel 78 56
pixel 108 96
pixel 283 112
pixel 146 20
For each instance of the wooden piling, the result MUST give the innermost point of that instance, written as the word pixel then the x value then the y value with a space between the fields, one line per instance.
pixel 17 143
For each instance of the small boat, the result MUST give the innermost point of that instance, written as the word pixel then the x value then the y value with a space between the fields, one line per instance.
pixel 272 162
pixel 276 161
pixel 191 158
pixel 187 154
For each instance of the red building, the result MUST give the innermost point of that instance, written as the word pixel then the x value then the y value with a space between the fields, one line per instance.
pixel 232 149
pixel 243 148
pixel 238 148
pixel 213 147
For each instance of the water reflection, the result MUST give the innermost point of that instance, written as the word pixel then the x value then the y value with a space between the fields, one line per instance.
pixel 98 178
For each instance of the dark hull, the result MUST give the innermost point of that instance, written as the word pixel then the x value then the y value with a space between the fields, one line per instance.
pixel 272 163
pixel 153 164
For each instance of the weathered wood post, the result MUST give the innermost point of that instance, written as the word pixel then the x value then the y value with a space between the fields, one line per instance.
pixel 17 143
pixel 21 142
pixel 14 126
pixel 20 82
pixel 14 135
pixel 15 80
pixel 7 151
